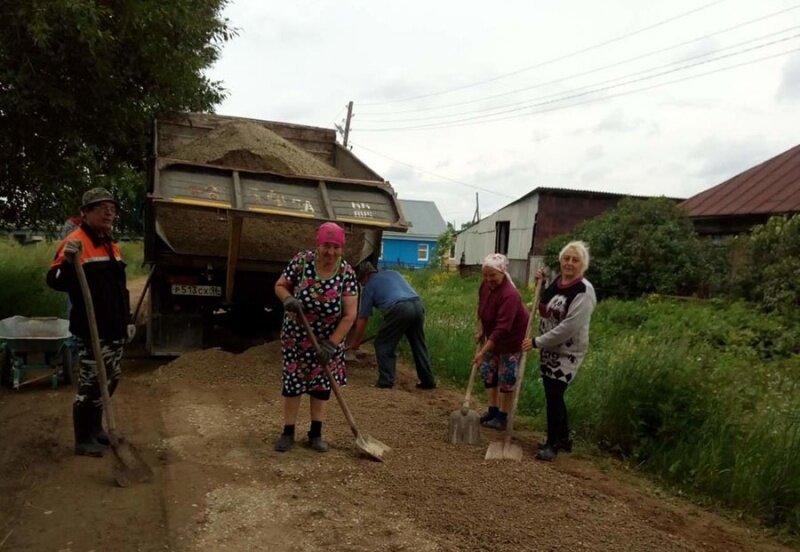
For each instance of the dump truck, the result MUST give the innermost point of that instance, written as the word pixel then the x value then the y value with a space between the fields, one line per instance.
pixel 230 201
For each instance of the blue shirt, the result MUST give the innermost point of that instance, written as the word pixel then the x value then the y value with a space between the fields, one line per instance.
pixel 383 290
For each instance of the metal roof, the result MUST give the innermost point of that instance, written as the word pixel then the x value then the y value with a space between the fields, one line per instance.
pixel 773 187
pixel 425 218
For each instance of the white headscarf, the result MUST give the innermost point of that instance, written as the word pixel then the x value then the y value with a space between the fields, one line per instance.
pixel 498 262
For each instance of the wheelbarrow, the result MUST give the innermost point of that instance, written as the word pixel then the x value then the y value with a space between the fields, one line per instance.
pixel 35 344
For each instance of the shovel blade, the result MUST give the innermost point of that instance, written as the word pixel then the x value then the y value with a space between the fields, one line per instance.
pixel 371 447
pixel 129 466
pixel 464 427
pixel 512 451
pixel 495 451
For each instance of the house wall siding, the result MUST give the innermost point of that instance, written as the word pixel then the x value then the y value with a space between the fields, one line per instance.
pixel 479 240
pixel 404 253
pixel 559 215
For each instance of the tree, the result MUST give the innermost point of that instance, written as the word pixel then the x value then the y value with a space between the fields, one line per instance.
pixel 641 246
pixel 444 243
pixel 80 83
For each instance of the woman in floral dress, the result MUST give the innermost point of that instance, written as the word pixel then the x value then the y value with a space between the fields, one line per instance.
pixel 322 285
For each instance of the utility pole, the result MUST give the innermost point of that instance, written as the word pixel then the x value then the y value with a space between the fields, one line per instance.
pixel 347 123
pixel 477 216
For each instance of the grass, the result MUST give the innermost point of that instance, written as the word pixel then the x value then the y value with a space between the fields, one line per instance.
pixel 704 395
pixel 23 290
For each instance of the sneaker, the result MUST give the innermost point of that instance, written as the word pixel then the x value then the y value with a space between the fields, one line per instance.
pixel 318 444
pixel 547 454
pixel 495 423
pixel 384 385
pixel 284 443
pixel 487 416
pixel 421 385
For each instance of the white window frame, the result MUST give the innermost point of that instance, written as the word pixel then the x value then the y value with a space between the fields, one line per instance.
pixel 427 252
pixel 381 256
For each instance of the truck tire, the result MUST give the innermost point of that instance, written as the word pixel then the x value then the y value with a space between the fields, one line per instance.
pixel 5 367
pixel 67 366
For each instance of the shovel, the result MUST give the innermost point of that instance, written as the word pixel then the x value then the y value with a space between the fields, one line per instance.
pixel 465 424
pixel 505 449
pixel 129 467
pixel 366 444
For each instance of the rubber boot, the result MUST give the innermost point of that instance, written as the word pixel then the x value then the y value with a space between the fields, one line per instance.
pixel 85 445
pixel 98 433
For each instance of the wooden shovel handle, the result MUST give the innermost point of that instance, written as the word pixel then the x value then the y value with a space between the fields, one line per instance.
pixel 331 379
pixel 523 360
pixel 473 370
pixel 102 377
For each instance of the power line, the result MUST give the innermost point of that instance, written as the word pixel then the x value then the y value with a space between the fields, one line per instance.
pixel 503 108
pixel 485 119
pixel 432 173
pixel 554 60
pixel 580 74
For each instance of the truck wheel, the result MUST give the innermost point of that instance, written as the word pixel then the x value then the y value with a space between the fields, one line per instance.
pixel 5 367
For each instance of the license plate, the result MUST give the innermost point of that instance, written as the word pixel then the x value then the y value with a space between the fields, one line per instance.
pixel 200 291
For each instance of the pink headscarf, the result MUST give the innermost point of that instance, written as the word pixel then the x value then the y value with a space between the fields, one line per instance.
pixel 499 263
pixel 330 232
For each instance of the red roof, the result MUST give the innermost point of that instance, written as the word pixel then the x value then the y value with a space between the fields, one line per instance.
pixel 773 187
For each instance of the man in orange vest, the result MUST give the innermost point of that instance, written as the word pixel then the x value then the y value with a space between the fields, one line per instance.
pixel 105 274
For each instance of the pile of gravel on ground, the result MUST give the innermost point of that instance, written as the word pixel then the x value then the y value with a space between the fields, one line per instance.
pixel 249 145
pixel 257 365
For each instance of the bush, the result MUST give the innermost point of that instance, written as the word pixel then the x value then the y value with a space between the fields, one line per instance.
pixel 641 246
pixel 770 271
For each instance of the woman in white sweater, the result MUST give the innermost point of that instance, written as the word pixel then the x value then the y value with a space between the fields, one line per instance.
pixel 565 310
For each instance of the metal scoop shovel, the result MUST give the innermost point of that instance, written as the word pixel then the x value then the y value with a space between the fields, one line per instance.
pixel 366 444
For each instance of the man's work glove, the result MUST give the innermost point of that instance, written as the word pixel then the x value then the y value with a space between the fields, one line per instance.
pixel 292 304
pixel 72 248
pixel 326 352
pixel 131 332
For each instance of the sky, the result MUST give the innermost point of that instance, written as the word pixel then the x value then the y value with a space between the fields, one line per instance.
pixel 457 97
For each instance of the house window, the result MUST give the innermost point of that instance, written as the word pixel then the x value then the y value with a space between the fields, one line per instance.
pixel 422 252
pixel 501 232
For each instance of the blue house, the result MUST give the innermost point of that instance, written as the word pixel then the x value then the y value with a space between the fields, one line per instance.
pixel 417 247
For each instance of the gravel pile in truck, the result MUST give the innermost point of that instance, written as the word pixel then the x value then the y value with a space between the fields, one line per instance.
pixel 251 146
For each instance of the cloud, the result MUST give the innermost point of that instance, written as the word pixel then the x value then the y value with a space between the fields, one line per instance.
pixel 717 160
pixel 400 172
pixel 789 88
pixel 594 153
pixel 618 121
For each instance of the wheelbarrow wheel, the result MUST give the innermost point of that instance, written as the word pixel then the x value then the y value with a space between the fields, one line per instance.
pixel 67 366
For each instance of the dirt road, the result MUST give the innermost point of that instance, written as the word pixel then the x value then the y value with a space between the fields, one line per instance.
pixel 206 422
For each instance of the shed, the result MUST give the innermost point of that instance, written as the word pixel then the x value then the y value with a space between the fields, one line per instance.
pixel 749 198
pixel 521 229
pixel 417 247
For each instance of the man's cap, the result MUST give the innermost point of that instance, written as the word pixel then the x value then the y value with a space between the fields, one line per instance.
pixel 364 268
pixel 97 195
